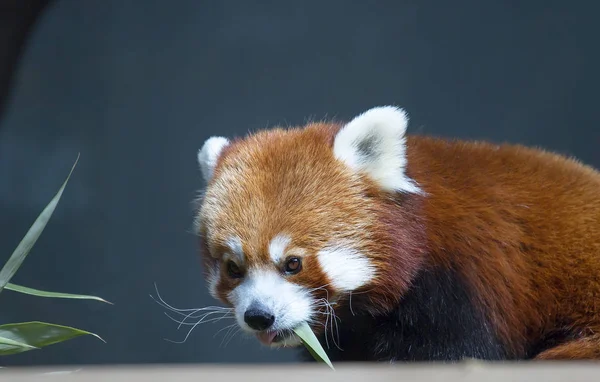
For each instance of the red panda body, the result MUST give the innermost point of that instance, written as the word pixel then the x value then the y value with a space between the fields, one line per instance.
pixel 400 248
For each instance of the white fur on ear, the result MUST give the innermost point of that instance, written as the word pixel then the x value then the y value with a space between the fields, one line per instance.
pixel 209 154
pixel 374 143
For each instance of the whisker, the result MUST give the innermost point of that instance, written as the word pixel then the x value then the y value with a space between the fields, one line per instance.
pixel 201 319
pixel 194 326
pixel 235 332
pixel 192 313
pixel 187 335
pixel 183 312
pixel 326 321
pixel 230 333
pixel 335 320
pixel 225 328
pixel 164 304
pixel 229 328
pixel 331 319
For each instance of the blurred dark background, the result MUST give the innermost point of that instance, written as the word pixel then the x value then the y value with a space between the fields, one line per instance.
pixel 137 86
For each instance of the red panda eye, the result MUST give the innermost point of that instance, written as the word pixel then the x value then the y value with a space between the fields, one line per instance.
pixel 293 265
pixel 233 270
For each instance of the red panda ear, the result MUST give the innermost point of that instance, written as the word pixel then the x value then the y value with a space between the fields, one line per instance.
pixel 209 154
pixel 373 143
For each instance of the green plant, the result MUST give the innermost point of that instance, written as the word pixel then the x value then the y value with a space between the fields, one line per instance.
pixel 25 336
pixel 310 341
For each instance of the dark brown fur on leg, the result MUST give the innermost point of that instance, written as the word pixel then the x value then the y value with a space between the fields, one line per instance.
pixel 586 348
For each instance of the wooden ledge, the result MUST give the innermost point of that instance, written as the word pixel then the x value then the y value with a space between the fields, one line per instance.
pixel 467 372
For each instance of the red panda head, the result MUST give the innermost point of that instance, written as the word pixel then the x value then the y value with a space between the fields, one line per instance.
pixel 296 220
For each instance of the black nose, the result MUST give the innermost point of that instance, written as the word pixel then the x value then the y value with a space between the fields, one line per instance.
pixel 258 319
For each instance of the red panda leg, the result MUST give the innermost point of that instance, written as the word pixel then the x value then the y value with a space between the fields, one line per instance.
pixel 586 348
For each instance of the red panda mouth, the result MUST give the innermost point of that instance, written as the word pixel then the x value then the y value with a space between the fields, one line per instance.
pixel 266 338
pixel 271 337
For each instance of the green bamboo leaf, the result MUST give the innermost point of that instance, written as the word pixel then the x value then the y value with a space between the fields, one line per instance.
pixel 312 343
pixel 42 293
pixel 22 250
pixel 7 344
pixel 36 335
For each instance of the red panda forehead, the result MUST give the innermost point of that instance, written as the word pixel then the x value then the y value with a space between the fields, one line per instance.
pixel 285 183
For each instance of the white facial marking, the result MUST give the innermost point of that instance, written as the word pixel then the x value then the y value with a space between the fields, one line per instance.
pixel 209 154
pixel 289 303
pixel 277 247
pixel 213 280
pixel 235 246
pixel 347 268
pixel 374 143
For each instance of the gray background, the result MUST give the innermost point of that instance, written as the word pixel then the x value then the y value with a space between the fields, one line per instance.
pixel 137 86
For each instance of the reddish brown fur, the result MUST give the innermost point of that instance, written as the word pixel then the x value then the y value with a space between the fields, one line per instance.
pixel 523 227
pixel 316 198
pixel 520 225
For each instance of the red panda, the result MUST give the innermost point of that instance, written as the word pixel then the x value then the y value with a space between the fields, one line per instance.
pixel 402 248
